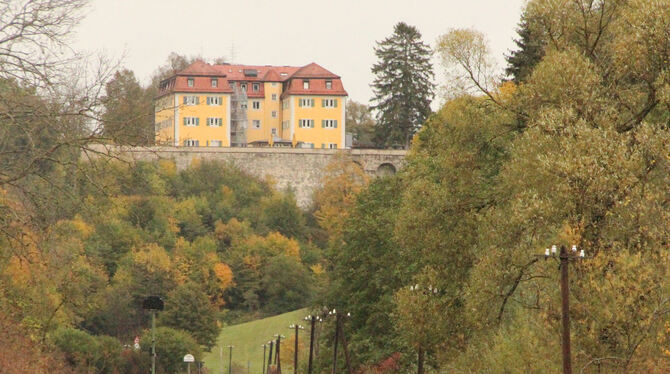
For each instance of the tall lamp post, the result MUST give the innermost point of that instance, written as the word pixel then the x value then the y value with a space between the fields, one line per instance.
pixel 312 319
pixel 277 352
pixel 271 343
pixel 154 304
pixel 265 348
pixel 430 291
pixel 296 327
pixel 230 359
pixel 338 336
pixel 564 259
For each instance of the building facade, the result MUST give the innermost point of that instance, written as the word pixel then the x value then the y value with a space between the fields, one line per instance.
pixel 243 105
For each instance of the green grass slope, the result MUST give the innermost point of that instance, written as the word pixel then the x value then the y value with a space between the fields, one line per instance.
pixel 247 340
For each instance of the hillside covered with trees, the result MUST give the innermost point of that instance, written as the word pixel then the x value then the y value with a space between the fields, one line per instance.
pixel 444 258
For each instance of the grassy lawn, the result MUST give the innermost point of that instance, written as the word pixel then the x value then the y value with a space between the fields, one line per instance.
pixel 247 339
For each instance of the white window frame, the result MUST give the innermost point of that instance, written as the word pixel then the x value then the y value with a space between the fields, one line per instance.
pixel 243 86
pixel 330 124
pixel 256 105
pixel 190 82
pixel 306 123
pixel 191 143
pixel 285 104
pixel 215 82
pixel 305 84
pixel 307 103
pixel 329 84
pixel 256 124
pixel 255 87
pixel 191 121
pixel 214 121
pixel 191 100
pixel 274 114
pixel 274 97
pixel 214 100
pixel 274 131
pixel 285 124
pixel 332 145
pixel 215 143
pixel 328 103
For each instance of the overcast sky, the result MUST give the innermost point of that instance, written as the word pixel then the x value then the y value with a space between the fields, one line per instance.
pixel 338 35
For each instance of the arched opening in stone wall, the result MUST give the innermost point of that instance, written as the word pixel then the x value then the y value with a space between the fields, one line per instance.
pixel 385 169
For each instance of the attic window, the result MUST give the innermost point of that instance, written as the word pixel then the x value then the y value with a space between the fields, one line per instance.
pixel 190 82
pixel 256 87
pixel 305 84
pixel 283 74
pixel 250 72
pixel 215 82
pixel 329 85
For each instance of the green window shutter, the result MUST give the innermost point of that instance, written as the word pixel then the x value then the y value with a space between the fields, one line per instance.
pixel 335 123
pixel 300 103
pixel 197 100
pixel 184 100
pixel 335 103
pixel 197 121
pixel 323 103
pixel 323 123
pixel 184 121
pixel 312 102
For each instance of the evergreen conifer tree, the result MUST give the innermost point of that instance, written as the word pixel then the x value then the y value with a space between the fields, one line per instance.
pixel 531 50
pixel 403 87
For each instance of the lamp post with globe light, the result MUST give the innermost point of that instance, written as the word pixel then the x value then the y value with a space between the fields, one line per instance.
pixel 564 257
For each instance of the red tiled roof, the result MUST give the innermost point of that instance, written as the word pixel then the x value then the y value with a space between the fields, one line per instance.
pixel 317 86
pixel 313 70
pixel 271 76
pixel 236 72
pixel 200 67
pixel 202 73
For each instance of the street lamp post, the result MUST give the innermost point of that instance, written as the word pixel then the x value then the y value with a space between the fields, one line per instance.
pixel 265 348
pixel 564 258
pixel 230 359
pixel 154 304
pixel 312 319
pixel 430 291
pixel 277 352
pixel 295 348
pixel 339 335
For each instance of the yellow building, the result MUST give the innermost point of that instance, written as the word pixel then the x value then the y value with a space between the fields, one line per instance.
pixel 243 105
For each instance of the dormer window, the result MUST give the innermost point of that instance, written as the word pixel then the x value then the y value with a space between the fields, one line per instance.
pixel 256 87
pixel 329 85
pixel 305 84
pixel 243 86
pixel 215 82
pixel 190 82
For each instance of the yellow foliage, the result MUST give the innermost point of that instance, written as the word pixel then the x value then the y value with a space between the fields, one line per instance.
pixel 278 243
pixel 224 274
pixel 167 167
pixel 153 258
pixel 252 262
pixel 84 228
pixel 343 181
pixel 317 269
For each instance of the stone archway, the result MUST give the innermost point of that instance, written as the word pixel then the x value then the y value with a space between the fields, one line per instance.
pixel 385 170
